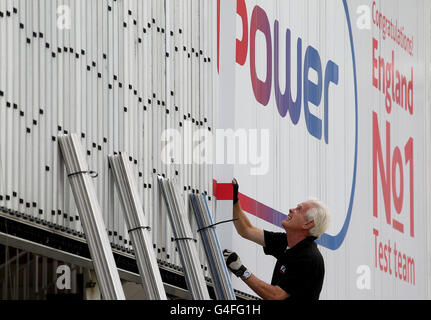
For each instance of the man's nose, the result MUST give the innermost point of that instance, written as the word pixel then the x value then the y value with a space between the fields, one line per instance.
pixel 290 210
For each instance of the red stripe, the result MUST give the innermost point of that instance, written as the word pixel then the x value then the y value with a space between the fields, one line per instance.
pixel 222 191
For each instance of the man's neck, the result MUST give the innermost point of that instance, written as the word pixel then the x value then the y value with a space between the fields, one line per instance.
pixel 294 238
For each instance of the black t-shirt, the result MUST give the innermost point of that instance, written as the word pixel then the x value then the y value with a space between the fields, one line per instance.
pixel 299 270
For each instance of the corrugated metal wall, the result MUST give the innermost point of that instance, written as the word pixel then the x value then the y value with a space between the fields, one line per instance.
pixel 118 73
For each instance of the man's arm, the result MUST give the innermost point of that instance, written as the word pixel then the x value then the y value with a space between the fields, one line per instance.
pixel 242 224
pixel 265 290
pixel 244 227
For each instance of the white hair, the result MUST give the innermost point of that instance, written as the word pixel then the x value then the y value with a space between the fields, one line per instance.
pixel 321 216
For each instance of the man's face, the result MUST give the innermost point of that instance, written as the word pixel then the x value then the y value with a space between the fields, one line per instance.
pixel 296 220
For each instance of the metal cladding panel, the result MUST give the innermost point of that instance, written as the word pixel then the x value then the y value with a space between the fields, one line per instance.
pixel 335 93
pixel 120 74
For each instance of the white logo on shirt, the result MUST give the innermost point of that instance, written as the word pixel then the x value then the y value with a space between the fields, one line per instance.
pixel 282 269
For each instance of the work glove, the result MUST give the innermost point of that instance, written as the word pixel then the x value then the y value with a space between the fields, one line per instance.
pixel 234 263
pixel 235 190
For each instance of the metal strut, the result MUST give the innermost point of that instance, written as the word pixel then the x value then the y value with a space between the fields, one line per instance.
pixel 186 247
pixel 91 218
pixel 220 275
pixel 138 228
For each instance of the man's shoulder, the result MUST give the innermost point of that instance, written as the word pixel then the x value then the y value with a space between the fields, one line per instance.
pixel 274 234
pixel 275 238
pixel 275 243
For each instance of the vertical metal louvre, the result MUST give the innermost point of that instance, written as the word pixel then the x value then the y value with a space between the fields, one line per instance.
pixel 118 73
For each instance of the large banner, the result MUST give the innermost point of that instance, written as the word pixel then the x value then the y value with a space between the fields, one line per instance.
pixel 330 104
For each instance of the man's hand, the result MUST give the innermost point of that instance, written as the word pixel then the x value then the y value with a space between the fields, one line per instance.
pixel 235 190
pixel 234 263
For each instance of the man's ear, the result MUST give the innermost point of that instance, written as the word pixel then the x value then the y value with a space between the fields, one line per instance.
pixel 308 225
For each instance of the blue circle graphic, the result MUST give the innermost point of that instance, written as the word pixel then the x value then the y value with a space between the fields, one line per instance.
pixel 326 240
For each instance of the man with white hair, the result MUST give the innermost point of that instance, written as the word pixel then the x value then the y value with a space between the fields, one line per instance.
pixel 299 271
